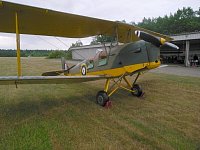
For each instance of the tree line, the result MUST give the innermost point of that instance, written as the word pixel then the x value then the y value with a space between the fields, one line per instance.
pixel 184 20
pixel 24 53
pixel 41 53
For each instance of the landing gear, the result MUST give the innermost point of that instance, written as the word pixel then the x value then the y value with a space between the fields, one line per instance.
pixel 137 90
pixel 102 97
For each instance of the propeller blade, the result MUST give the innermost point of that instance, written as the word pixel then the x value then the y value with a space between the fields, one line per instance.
pixel 149 38
pixel 171 45
pixel 154 40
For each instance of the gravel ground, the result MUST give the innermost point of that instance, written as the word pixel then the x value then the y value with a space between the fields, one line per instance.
pixel 179 70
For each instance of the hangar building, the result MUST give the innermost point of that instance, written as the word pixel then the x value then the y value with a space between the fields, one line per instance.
pixel 188 43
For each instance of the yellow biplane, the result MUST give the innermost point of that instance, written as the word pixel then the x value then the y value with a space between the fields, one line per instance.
pixel 138 51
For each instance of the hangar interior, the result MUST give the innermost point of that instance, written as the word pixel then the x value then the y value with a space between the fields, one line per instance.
pixel 189 46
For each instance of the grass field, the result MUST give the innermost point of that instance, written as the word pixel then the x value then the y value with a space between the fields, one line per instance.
pixel 67 117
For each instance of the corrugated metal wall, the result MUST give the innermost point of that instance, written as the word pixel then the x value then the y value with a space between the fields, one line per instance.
pixel 81 54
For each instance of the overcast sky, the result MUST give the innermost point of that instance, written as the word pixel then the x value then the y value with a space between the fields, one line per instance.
pixel 129 10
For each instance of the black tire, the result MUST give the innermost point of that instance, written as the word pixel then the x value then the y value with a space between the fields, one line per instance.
pixel 102 98
pixel 137 90
pixel 83 70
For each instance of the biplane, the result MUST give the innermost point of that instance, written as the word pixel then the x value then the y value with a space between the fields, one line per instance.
pixel 136 49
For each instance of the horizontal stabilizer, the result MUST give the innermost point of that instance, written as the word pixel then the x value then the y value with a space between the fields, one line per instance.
pixel 53 73
pixel 57 73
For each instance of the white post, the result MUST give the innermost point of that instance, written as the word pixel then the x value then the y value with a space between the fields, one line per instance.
pixel 187 49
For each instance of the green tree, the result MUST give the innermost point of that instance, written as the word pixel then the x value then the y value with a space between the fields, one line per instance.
pixel 57 54
pixel 77 44
pixel 99 39
pixel 184 20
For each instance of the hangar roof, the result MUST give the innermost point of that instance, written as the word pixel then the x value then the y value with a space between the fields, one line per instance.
pixel 186 36
pixel 89 46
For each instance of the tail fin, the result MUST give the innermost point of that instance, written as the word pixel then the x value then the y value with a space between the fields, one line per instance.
pixel 65 69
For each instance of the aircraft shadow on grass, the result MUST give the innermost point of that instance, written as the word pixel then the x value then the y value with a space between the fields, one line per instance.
pixel 27 109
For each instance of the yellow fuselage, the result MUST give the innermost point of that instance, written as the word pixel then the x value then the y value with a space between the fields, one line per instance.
pixel 116 72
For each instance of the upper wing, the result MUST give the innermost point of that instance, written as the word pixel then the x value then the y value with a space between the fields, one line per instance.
pixel 38 21
pixel 47 79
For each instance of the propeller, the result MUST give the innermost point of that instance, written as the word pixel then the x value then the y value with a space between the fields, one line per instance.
pixel 171 45
pixel 56 73
pixel 158 42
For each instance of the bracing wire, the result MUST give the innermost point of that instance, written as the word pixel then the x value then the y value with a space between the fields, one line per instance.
pixel 48 42
pixel 61 41
pixel 67 47
pixel 58 47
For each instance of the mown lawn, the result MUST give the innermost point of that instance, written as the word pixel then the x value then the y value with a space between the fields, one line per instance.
pixel 67 117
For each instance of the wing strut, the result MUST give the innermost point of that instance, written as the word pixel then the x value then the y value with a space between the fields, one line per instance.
pixel 19 72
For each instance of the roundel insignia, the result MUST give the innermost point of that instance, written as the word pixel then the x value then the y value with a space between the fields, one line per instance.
pixel 83 70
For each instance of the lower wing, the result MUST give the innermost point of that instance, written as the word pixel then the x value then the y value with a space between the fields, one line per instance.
pixel 6 80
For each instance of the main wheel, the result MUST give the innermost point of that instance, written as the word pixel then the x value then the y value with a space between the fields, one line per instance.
pixel 101 98
pixel 137 90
